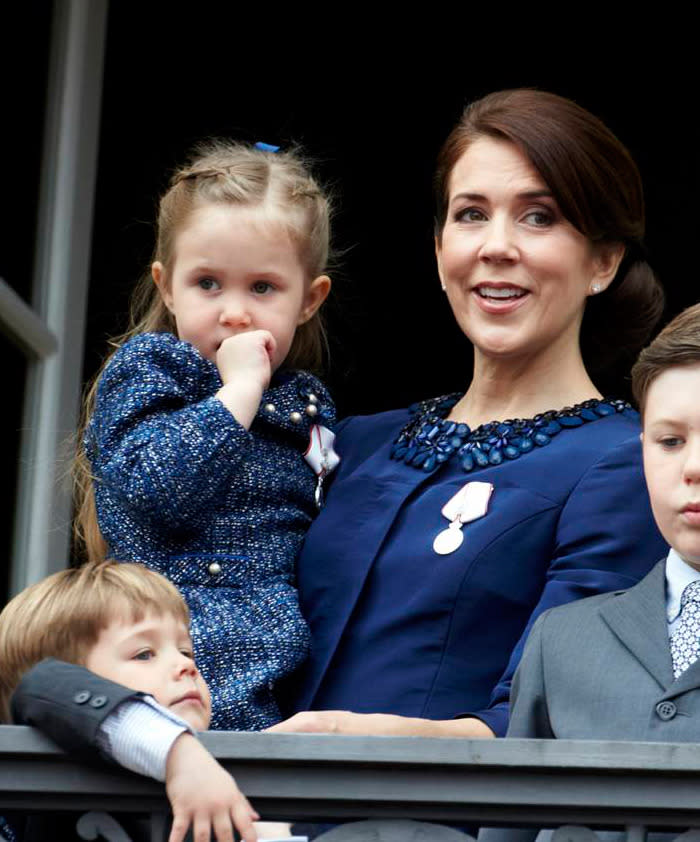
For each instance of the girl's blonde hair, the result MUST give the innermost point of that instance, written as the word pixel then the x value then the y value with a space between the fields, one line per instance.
pixel 219 172
pixel 62 616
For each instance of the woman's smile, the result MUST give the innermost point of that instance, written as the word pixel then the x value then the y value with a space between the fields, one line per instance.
pixel 498 297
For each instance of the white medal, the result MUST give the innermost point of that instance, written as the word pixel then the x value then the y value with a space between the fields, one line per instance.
pixel 469 503
pixel 449 539
pixel 321 457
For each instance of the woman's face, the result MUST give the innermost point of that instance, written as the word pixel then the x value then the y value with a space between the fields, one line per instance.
pixel 516 272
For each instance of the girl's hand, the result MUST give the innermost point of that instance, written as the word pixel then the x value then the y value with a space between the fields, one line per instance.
pixel 204 795
pixel 245 365
pixel 247 357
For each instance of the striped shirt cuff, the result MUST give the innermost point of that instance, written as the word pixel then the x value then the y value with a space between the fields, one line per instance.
pixel 138 735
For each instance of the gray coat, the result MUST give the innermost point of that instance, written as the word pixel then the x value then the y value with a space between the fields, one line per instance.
pixel 600 669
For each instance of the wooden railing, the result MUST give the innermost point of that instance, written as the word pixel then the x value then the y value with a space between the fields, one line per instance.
pixel 329 778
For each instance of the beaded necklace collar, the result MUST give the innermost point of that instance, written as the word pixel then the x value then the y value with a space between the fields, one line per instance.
pixel 429 439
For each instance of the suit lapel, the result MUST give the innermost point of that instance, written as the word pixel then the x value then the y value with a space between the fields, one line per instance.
pixel 638 619
pixel 689 680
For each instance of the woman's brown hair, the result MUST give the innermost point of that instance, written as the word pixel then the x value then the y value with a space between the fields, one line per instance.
pixel 598 188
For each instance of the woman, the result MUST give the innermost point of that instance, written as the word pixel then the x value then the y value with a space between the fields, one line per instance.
pixel 539 228
pixel 418 609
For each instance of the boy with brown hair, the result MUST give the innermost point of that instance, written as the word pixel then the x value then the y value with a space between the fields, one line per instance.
pixel 624 665
pixel 127 624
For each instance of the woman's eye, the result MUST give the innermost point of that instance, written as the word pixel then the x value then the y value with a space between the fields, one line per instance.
pixel 671 442
pixel 539 218
pixel 470 215
pixel 207 284
pixel 261 287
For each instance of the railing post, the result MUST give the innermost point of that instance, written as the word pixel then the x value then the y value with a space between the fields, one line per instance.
pixel 636 833
pixel 159 827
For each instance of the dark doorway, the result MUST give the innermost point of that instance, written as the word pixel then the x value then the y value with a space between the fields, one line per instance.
pixel 373 112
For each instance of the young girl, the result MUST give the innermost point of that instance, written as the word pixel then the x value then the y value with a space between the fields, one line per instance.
pixel 197 425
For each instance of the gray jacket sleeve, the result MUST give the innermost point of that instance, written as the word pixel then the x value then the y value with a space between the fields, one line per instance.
pixel 529 714
pixel 529 718
pixel 68 703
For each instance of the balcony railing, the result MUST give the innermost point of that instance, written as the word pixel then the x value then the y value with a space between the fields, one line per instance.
pixel 329 778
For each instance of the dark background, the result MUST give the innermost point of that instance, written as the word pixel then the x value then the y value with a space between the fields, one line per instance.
pixel 371 102
pixel 373 111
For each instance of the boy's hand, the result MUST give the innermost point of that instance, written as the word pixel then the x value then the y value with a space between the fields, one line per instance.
pixel 204 795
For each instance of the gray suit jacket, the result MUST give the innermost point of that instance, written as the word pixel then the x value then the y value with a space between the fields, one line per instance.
pixel 601 669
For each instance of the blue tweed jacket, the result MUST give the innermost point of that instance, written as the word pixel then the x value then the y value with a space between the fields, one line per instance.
pixel 221 511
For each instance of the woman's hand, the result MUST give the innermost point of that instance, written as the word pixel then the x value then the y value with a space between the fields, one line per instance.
pixel 379 725
pixel 204 795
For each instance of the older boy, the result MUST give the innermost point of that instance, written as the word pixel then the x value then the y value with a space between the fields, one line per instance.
pixel 624 665
pixel 130 625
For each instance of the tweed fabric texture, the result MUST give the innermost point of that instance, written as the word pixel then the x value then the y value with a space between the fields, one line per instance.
pixel 7 831
pixel 685 641
pixel 220 510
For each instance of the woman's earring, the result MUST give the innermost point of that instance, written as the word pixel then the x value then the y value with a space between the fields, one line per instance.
pixel 444 288
pixel 595 289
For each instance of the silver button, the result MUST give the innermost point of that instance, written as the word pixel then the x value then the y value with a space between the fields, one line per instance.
pixel 215 568
pixel 312 398
pixel 312 410
pixel 295 417
pixel 270 407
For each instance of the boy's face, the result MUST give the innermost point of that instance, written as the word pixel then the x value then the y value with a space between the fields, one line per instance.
pixel 154 656
pixel 671 447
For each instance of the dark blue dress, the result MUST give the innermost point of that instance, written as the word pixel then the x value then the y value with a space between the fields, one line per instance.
pixel 220 510
pixel 397 628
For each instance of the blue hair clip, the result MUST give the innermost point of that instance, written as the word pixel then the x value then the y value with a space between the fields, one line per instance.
pixel 266 147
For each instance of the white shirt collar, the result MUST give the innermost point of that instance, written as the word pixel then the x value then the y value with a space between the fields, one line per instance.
pixel 679 574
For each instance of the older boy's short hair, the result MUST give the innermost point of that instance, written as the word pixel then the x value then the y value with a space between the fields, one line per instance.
pixel 678 344
pixel 62 616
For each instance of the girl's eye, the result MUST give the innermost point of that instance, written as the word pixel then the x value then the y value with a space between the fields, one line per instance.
pixel 143 655
pixel 207 284
pixel 539 218
pixel 262 287
pixel 470 215
pixel 188 653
